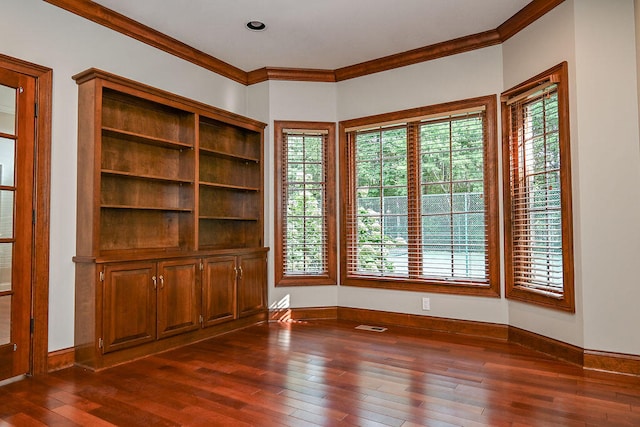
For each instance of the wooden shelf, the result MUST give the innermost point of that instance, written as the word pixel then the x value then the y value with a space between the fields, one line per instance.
pixel 227 186
pixel 224 233
pixel 235 142
pixel 145 139
pixel 231 174
pixel 142 117
pixel 227 218
pixel 218 153
pixel 146 208
pixel 132 175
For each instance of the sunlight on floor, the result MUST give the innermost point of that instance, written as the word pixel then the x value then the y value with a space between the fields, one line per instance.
pixel 280 310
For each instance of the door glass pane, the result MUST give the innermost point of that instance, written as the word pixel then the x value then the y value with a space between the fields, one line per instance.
pixel 7 159
pixel 7 110
pixel 6 255
pixel 6 214
pixel 5 319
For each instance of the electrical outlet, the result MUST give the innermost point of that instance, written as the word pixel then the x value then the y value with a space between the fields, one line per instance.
pixel 426 304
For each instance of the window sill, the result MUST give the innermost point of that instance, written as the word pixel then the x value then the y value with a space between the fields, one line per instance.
pixel 305 281
pixel 541 298
pixel 445 287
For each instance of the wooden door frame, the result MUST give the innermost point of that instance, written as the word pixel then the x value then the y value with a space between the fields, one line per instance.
pixel 42 188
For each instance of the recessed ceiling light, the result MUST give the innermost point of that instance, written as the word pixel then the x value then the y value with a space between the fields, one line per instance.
pixel 256 26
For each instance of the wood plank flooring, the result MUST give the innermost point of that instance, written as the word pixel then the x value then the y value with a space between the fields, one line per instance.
pixel 327 373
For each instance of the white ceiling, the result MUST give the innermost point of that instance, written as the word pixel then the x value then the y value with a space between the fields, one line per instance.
pixel 323 34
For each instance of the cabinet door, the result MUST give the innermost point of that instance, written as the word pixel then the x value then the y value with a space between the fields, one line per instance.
pixel 219 290
pixel 129 305
pixel 178 297
pixel 252 284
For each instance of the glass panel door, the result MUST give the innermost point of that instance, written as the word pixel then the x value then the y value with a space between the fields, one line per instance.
pixel 7 189
pixel 17 139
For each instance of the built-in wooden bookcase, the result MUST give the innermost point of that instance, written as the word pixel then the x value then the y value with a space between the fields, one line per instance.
pixel 162 180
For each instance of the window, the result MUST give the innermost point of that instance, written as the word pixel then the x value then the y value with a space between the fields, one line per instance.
pixel 305 234
pixel 420 199
pixel 537 194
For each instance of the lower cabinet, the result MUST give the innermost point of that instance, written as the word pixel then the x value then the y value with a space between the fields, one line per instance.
pixel 129 305
pixel 233 287
pixel 145 306
pixel 219 290
pixel 145 301
pixel 252 284
pixel 178 297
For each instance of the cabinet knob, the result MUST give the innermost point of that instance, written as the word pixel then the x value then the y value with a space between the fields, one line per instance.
pixel 155 283
pixel 161 281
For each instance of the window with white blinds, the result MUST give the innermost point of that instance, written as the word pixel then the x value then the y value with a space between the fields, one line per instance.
pixel 453 210
pixel 421 199
pixel 380 216
pixel 305 212
pixel 539 254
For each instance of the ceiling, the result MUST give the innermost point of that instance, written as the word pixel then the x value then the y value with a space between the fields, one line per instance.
pixel 319 34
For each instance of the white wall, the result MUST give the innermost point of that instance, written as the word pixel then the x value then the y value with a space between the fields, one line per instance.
pixel 295 101
pixel 609 157
pixel 35 31
pixel 471 74
pixel 636 4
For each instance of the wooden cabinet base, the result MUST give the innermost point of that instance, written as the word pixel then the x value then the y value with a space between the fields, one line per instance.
pixel 101 361
pixel 130 309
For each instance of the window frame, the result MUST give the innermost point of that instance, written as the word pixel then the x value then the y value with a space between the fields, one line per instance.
pixel 330 277
pixel 565 301
pixel 492 190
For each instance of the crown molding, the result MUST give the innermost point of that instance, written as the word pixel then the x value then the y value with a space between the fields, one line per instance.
pixel 527 15
pixel 127 26
pixel 134 29
pixel 427 53
pixel 291 74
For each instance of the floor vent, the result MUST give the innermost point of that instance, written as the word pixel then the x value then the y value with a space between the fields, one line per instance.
pixel 371 328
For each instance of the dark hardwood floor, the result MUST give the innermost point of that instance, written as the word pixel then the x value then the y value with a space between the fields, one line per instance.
pixel 328 373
